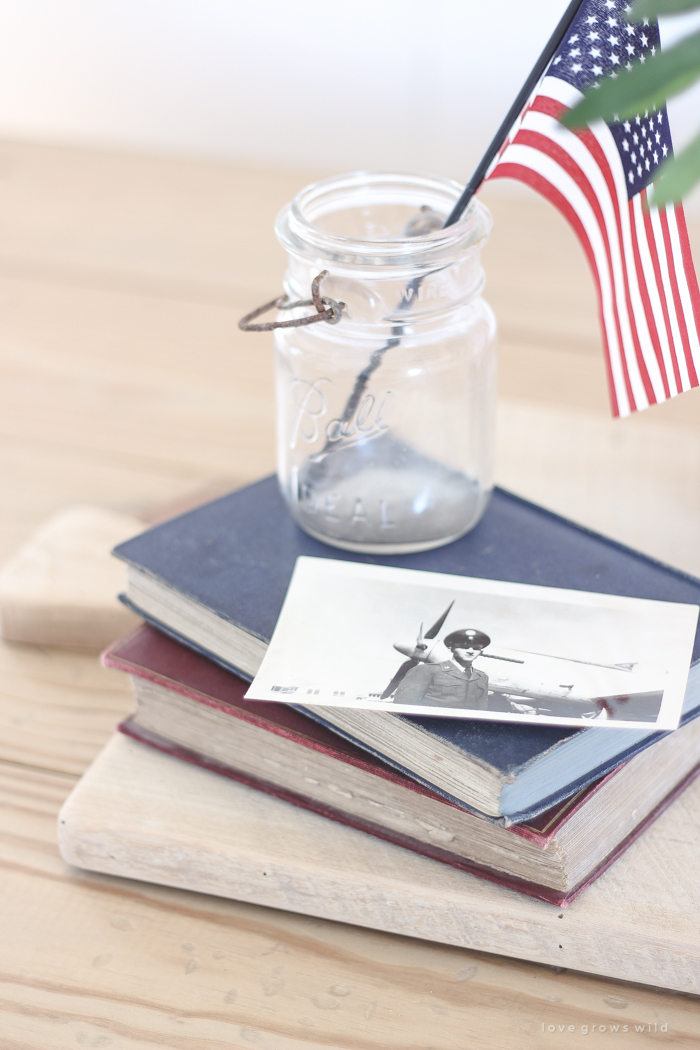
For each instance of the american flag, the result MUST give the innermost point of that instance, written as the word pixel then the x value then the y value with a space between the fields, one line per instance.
pixel 648 295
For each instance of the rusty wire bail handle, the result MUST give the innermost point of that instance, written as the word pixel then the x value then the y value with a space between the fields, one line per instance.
pixel 327 310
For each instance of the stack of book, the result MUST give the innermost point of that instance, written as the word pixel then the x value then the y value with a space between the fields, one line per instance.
pixel 540 809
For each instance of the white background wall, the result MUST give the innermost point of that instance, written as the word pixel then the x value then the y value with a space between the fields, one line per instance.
pixel 303 83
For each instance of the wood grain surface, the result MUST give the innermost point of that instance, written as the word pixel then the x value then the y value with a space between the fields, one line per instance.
pixel 61 587
pixel 138 813
pixel 126 384
pixel 106 962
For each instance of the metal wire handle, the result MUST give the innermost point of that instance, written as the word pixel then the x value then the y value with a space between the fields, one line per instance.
pixel 327 310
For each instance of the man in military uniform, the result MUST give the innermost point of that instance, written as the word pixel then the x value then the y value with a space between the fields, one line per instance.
pixel 454 683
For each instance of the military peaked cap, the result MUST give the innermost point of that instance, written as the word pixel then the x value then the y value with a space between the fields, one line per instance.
pixel 467 639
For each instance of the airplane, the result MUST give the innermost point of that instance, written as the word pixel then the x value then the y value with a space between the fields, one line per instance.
pixel 523 676
pixel 421 652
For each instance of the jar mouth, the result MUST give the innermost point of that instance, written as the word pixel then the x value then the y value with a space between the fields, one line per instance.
pixel 362 217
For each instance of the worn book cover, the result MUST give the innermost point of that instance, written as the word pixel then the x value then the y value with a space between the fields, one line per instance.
pixel 232 560
pixel 150 655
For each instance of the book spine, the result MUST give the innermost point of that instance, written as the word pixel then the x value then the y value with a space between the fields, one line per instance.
pixel 131 728
pixel 111 659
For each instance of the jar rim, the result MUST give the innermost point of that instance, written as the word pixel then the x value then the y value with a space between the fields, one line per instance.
pixel 297 230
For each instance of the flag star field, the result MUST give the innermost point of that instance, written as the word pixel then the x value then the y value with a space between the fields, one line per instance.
pixel 602 43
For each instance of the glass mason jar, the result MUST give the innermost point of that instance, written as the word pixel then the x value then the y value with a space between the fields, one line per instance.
pixel 385 419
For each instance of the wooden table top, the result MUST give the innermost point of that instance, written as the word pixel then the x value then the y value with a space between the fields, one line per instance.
pixel 125 383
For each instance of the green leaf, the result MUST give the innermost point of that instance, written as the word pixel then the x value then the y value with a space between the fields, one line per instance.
pixel 676 176
pixel 654 8
pixel 643 87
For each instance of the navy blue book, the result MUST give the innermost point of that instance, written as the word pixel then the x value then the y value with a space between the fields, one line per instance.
pixel 216 577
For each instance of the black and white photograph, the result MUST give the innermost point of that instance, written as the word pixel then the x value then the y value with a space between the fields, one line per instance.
pixel 377 637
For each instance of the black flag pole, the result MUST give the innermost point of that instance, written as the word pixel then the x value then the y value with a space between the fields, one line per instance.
pixel 514 112
pixel 362 379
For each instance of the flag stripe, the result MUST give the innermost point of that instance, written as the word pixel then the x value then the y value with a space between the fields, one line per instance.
pixel 672 371
pixel 688 268
pixel 578 205
pixel 604 151
pixel 610 282
pixel 617 382
pixel 639 346
pixel 629 304
pixel 637 224
pixel 685 342
pixel 689 316
pixel 670 302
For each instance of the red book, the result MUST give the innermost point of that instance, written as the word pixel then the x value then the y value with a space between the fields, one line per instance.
pixel 193 709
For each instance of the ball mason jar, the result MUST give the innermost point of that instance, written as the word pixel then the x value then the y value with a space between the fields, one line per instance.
pixel 385 419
